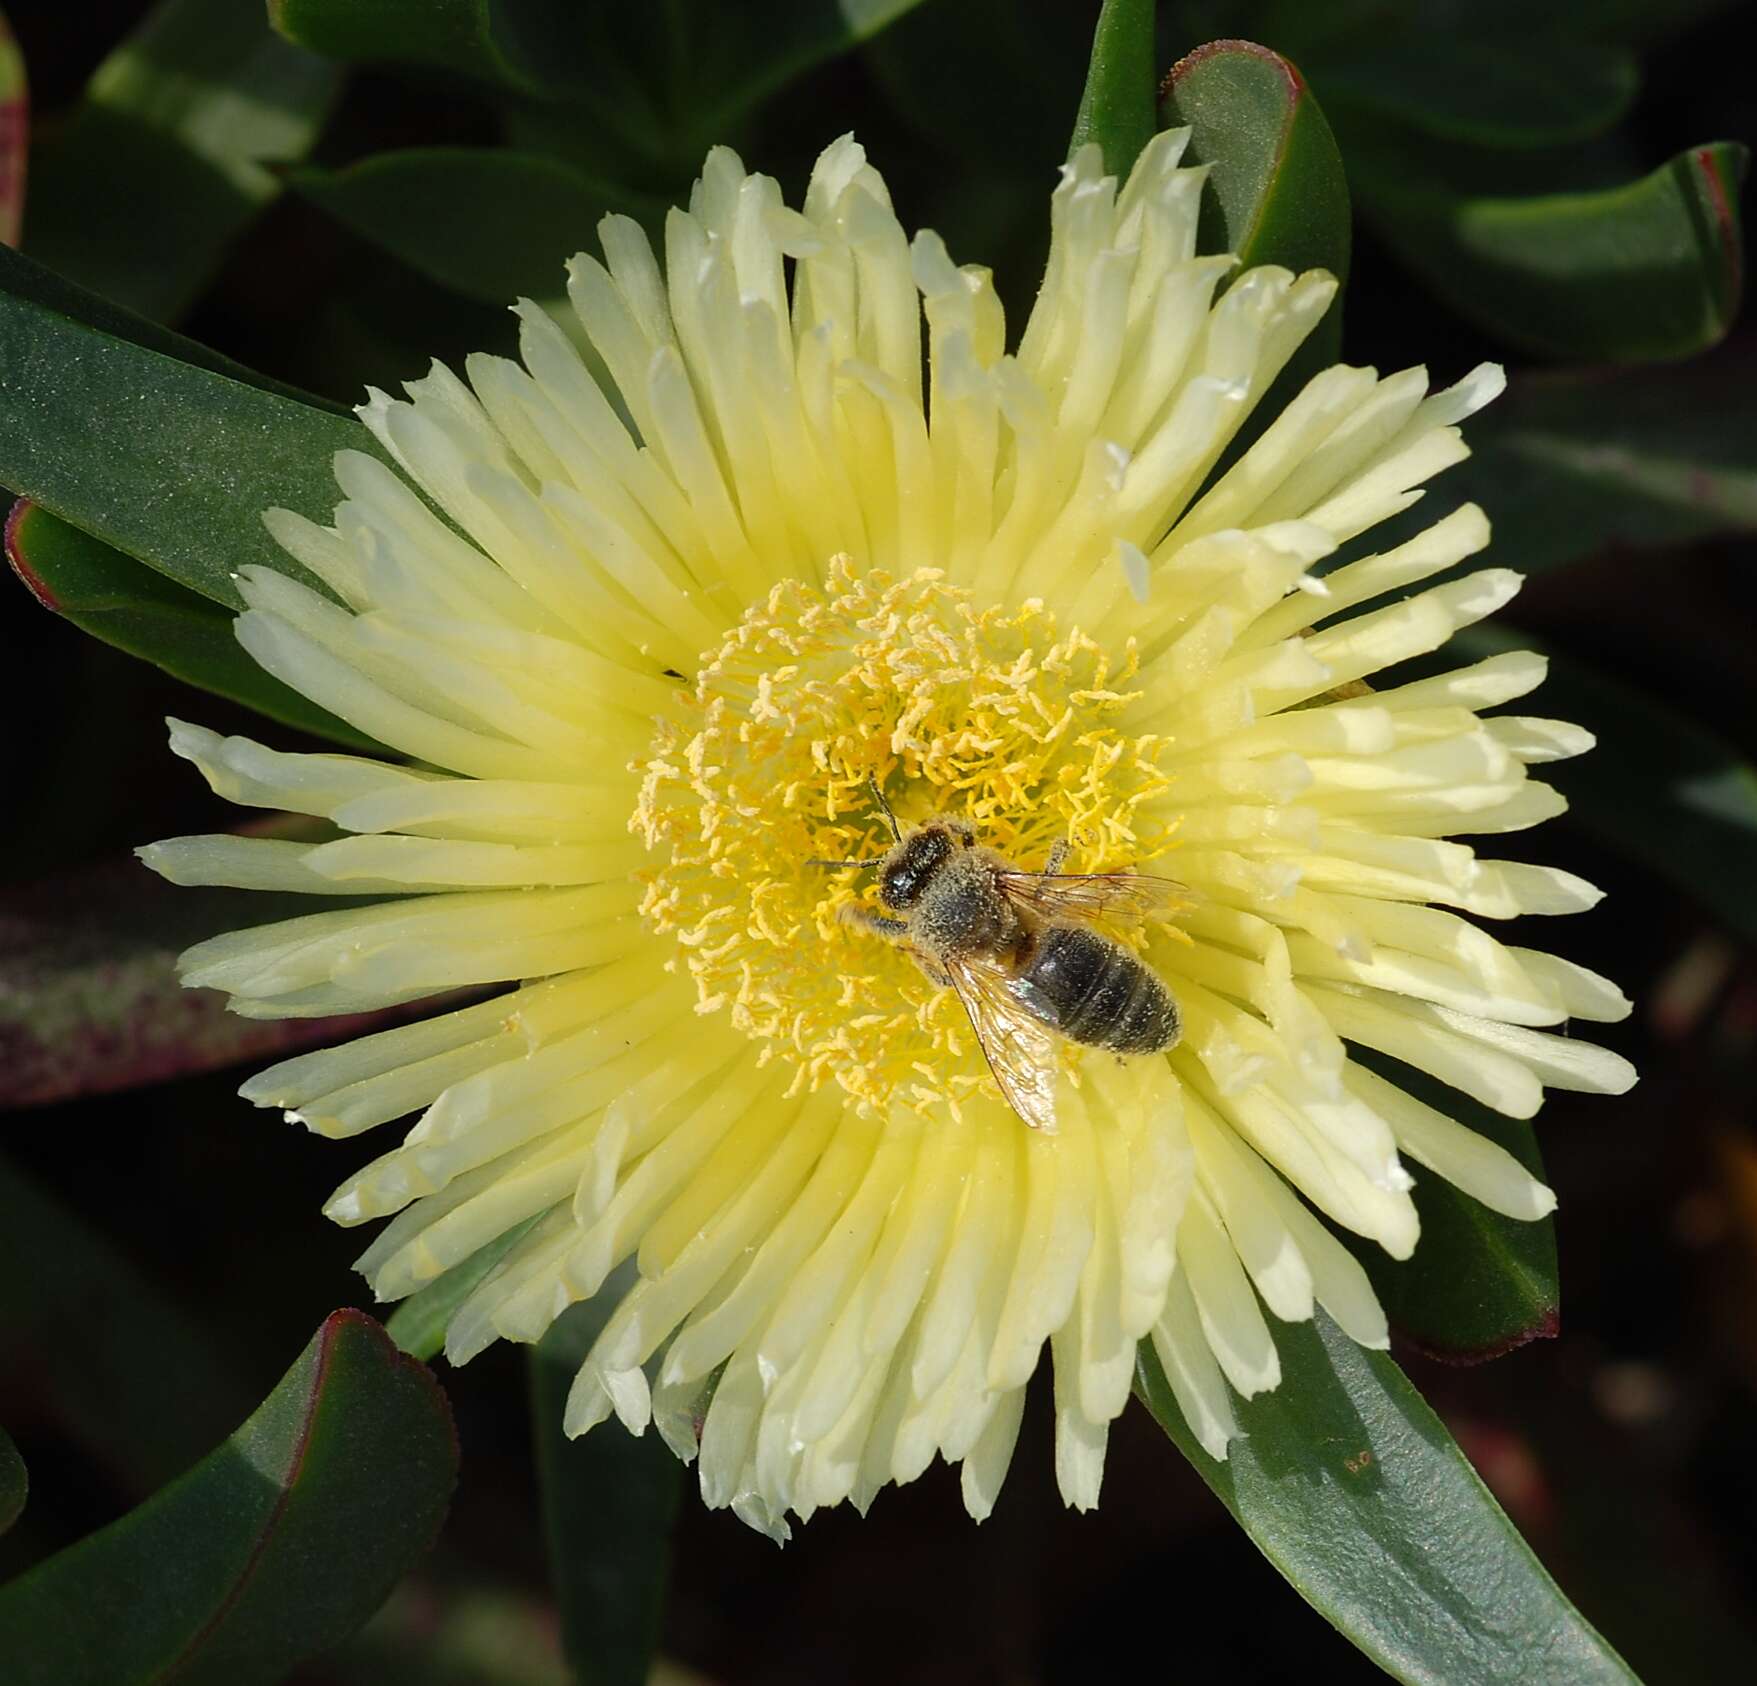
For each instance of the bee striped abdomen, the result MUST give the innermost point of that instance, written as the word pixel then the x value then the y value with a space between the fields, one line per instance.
pixel 1095 991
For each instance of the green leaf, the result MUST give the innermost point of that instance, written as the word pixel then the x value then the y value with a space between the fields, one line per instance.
pixel 1647 271
pixel 14 1483
pixel 143 190
pixel 665 81
pixel 114 598
pixel 164 460
pixel 1116 109
pixel 492 223
pixel 89 997
pixel 1505 88
pixel 270 1551
pixel 1276 194
pixel 609 1500
pixel 1353 1489
pixel 418 1324
pixel 23 279
pixel 1659 788
pixel 130 1375
pixel 602 69
pixel 1479 1284
pixel 479 39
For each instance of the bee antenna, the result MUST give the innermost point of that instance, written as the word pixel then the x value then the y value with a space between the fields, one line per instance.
pixel 867 860
pixel 890 818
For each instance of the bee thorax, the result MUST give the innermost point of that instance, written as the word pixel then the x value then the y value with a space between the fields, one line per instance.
pixel 962 912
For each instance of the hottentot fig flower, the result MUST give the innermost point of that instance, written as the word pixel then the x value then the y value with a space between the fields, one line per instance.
pixel 648 634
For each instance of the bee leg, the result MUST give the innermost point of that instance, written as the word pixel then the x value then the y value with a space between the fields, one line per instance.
pixel 936 974
pixel 854 914
pixel 1056 856
pixel 896 930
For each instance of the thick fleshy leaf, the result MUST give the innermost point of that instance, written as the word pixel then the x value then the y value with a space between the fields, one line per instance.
pixel 123 1372
pixel 493 223
pixel 1660 788
pixel 168 461
pixel 663 80
pixel 608 1503
pixel 23 279
pixel 418 1324
pixel 141 191
pixel 14 1483
pixel 89 997
pixel 270 1551
pixel 1116 109
pixel 1490 87
pixel 1570 465
pixel 1277 193
pixel 14 134
pixel 114 598
pixel 1354 1490
pixel 1479 1284
pixel 513 43
pixel 1644 272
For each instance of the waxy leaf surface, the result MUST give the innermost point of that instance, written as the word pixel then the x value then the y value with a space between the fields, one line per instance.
pixel 1354 1490
pixel 136 609
pixel 1116 109
pixel 168 461
pixel 271 1550
pixel 1276 193
pixel 1479 1284
pixel 1649 271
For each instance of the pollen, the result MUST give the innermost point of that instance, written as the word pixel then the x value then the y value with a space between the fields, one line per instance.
pixel 765 770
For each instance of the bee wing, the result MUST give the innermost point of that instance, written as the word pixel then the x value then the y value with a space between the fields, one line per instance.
pixel 1126 896
pixel 1019 1048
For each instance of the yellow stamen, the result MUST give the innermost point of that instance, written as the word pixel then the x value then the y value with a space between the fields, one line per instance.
pixel 989 714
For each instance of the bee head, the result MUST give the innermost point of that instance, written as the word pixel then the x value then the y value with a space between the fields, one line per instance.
pixel 907 868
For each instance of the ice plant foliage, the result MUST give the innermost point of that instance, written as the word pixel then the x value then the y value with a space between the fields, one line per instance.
pixel 643 636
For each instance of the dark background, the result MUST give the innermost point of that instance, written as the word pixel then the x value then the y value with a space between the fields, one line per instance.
pixel 1623 1449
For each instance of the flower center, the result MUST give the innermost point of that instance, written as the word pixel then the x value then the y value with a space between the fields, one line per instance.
pixel 994 715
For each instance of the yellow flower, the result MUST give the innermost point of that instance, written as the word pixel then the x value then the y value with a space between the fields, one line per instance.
pixel 673 616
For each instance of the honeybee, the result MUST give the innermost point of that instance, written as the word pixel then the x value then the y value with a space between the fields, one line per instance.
pixel 1017 948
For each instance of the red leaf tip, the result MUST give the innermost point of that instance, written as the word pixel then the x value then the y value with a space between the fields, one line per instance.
pixel 1212 49
pixel 32 581
pixel 348 1317
pixel 1546 1328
